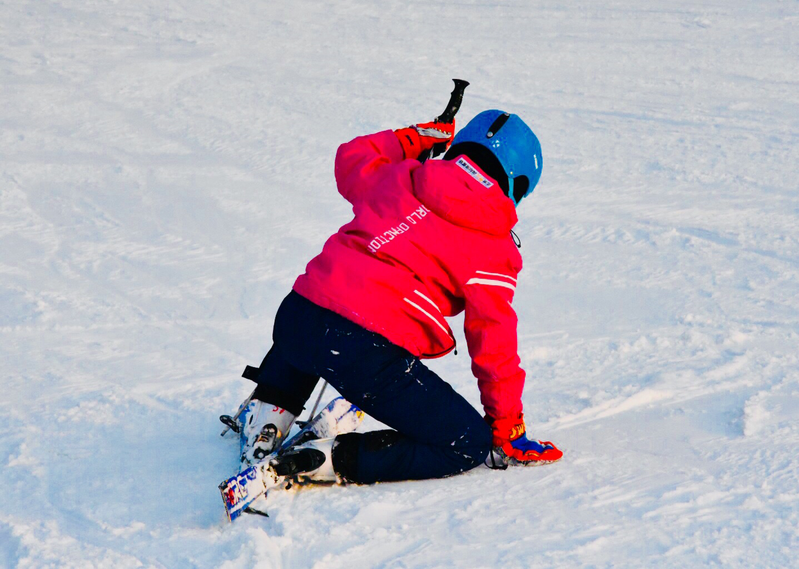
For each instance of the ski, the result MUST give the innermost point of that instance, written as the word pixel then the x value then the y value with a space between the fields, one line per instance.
pixel 242 490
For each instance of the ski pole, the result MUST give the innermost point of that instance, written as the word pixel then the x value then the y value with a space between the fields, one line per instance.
pixel 455 100
pixel 230 422
pixel 318 399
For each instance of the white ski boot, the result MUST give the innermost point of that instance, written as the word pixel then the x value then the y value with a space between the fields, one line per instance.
pixel 263 429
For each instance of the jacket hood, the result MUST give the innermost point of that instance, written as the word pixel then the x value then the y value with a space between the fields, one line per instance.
pixel 458 191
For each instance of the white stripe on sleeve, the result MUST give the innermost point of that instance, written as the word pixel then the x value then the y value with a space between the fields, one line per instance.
pixel 496 275
pixel 491 282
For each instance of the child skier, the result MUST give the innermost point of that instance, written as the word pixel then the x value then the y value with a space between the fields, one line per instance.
pixel 428 241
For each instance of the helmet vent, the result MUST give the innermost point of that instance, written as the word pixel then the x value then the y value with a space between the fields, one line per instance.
pixel 497 124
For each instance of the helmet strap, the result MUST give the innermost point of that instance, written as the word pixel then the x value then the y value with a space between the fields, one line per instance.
pixel 519 187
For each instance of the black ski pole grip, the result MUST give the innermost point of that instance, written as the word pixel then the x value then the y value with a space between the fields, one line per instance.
pixel 455 100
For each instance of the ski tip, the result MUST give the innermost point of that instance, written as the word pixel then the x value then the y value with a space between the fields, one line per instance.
pixel 236 493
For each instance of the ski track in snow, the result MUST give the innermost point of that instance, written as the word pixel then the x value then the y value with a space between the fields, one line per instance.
pixel 166 172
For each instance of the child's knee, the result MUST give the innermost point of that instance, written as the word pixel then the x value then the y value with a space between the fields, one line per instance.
pixel 471 448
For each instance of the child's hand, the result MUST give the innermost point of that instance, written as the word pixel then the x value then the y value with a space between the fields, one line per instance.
pixel 513 446
pixel 424 136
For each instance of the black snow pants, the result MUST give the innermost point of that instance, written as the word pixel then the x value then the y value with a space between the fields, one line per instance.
pixel 434 431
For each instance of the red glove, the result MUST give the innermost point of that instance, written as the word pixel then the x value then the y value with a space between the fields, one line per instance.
pixel 420 137
pixel 512 447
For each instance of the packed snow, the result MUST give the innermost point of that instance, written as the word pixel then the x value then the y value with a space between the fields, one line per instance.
pixel 166 170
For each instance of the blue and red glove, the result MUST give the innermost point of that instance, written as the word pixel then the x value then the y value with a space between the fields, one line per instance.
pixel 512 447
pixel 417 138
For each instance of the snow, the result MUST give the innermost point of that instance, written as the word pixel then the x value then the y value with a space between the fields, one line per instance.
pixel 166 172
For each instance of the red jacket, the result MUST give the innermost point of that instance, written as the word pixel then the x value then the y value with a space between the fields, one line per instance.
pixel 427 241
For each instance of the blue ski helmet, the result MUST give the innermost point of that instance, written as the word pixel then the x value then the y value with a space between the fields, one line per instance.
pixel 512 142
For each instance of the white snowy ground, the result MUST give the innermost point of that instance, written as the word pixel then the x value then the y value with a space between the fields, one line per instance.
pixel 166 172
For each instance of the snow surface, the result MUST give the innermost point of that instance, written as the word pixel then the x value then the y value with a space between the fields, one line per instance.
pixel 166 172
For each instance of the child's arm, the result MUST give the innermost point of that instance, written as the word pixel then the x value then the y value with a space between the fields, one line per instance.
pixel 491 335
pixel 490 325
pixel 359 162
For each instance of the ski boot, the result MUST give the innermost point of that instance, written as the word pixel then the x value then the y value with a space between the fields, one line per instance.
pixel 310 462
pixel 262 429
